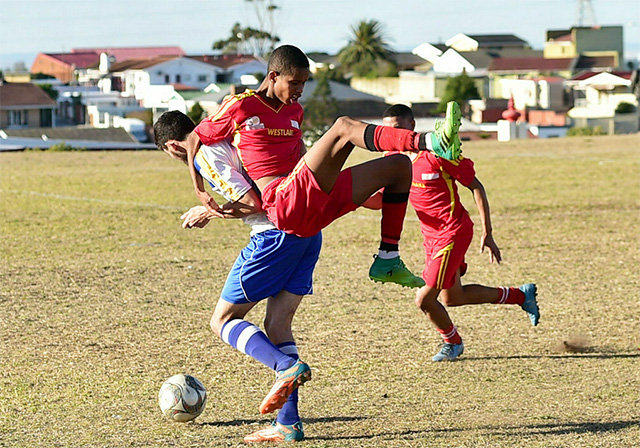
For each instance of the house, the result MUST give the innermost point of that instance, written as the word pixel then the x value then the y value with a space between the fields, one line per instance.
pixel 587 41
pixel 596 98
pixel 119 54
pixel 77 65
pixel 464 42
pixel 64 66
pixel 322 61
pixel 235 68
pixel 25 105
pixel 430 52
pixel 133 77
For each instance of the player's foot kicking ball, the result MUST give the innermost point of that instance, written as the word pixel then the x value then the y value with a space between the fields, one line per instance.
pixel 445 140
pixel 449 352
pixel 277 433
pixel 286 382
pixel 530 304
pixel 393 270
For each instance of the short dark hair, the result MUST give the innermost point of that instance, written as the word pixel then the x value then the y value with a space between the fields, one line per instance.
pixel 172 125
pixel 398 110
pixel 286 59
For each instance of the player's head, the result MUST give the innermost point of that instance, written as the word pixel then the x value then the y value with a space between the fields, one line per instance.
pixel 287 72
pixel 171 129
pixel 399 116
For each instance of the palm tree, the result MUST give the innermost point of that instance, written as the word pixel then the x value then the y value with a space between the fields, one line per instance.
pixel 367 49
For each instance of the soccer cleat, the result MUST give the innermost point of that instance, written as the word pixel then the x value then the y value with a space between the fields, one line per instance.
pixel 287 381
pixel 445 140
pixel 530 304
pixel 449 352
pixel 277 433
pixel 393 270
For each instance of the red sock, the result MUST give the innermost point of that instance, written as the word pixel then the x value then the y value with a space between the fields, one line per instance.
pixel 510 296
pixel 394 209
pixel 450 335
pixel 385 138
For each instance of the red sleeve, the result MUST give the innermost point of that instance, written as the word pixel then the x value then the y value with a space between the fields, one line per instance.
pixel 461 170
pixel 220 125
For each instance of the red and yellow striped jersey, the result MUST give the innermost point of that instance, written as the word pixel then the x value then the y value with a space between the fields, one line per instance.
pixel 434 194
pixel 268 140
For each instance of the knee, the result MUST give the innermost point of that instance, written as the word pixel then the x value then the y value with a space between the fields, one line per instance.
pixel 216 324
pixel 421 299
pixel 400 165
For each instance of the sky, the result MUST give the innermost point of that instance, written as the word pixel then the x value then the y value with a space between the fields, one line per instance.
pixel 28 27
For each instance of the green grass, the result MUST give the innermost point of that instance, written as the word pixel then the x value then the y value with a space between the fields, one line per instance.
pixel 103 296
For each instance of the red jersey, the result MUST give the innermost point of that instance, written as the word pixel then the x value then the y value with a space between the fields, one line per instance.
pixel 268 140
pixel 434 194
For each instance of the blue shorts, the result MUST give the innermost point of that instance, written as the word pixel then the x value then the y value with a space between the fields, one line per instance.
pixel 273 261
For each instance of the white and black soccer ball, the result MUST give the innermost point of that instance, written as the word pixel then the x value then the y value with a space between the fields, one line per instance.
pixel 182 398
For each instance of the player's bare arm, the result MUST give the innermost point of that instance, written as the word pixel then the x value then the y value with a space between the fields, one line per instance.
pixel 486 238
pixel 192 145
pixel 199 216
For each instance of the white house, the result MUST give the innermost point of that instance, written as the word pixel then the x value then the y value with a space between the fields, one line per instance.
pixel 596 98
pixel 136 76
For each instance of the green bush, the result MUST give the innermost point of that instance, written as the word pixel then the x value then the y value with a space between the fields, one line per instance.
pixel 62 146
pixel 586 130
pixel 625 108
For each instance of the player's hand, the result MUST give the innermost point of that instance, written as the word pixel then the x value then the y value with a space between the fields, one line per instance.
pixel 210 204
pixel 197 216
pixel 494 251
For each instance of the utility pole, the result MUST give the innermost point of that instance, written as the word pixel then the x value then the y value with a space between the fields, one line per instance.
pixel 585 10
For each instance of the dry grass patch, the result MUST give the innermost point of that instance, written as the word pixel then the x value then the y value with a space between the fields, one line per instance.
pixel 103 296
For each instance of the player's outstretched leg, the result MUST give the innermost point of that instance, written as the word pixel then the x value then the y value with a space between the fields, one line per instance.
pixel 445 141
pixel 286 382
pixel 277 433
pixel 393 270
pixel 530 304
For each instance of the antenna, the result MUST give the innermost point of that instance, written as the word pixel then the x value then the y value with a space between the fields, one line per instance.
pixel 585 9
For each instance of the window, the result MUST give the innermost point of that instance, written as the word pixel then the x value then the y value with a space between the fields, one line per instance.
pixel 18 117
pixel 178 78
pixel 203 78
pixel 167 79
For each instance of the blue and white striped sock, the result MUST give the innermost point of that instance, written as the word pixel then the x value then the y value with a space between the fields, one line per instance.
pixel 250 340
pixel 288 415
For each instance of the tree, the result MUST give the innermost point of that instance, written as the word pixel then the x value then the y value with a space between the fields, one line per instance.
pixel 367 53
pixel 320 110
pixel 257 41
pixel 196 113
pixel 459 89
pixel 49 90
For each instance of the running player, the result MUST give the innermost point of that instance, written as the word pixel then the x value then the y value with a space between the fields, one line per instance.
pixel 447 230
pixel 274 265
pixel 302 194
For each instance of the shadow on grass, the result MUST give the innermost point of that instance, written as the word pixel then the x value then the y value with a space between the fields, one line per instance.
pixel 267 421
pixel 558 356
pixel 540 429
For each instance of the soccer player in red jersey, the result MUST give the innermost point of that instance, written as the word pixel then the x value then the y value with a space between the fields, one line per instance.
pixel 447 230
pixel 303 193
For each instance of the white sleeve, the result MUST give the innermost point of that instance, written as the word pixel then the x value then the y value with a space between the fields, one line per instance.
pixel 220 165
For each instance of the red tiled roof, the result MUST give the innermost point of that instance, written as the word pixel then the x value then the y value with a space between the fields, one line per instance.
pixel 23 94
pixel 588 74
pixel 83 59
pixel 183 87
pixel 124 53
pixel 225 60
pixel 514 64
pixel 139 64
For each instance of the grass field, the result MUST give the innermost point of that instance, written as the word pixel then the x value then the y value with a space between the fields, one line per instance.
pixel 103 296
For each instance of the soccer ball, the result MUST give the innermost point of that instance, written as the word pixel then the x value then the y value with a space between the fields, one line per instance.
pixel 182 398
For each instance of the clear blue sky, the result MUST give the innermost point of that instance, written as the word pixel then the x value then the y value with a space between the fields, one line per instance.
pixel 28 27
